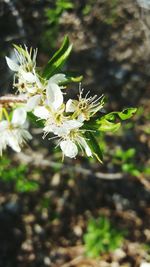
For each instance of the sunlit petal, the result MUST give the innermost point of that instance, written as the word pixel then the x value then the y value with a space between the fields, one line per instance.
pixel 28 76
pixel 84 144
pixel 41 112
pixel 19 116
pixel 33 102
pixel 70 107
pixel 11 64
pixel 69 149
pixel 57 78
pixel 54 96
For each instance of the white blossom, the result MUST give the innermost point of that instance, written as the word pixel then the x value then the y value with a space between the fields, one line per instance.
pixel 53 111
pixel 85 107
pixel 14 133
pixel 69 144
pixel 25 61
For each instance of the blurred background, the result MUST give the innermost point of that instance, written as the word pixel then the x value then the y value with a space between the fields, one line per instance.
pixel 80 212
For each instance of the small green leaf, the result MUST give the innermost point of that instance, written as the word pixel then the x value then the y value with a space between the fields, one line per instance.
pixel 72 78
pixel 123 115
pixel 107 126
pixel 94 146
pixel 23 186
pixel 109 122
pixel 35 120
pixel 58 59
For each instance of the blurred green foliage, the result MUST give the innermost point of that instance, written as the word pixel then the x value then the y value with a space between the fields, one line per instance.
pixel 111 12
pixel 126 159
pixel 101 237
pixel 52 16
pixel 18 175
pixel 88 7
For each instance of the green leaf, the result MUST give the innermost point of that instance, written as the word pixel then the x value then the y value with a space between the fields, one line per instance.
pixel 65 4
pixel 23 186
pixel 58 59
pixel 123 115
pixel 109 122
pixel 106 126
pixel 35 120
pixel 71 77
pixel 94 146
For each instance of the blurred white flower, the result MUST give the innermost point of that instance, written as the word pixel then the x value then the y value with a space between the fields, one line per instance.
pixel 14 133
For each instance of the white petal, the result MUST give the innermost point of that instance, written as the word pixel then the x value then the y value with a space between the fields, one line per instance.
pixel 57 130
pixel 25 135
pixel 81 118
pixel 12 142
pixel 33 102
pixel 72 124
pixel 57 78
pixel 41 112
pixel 28 76
pixel 19 116
pixel 3 125
pixel 11 64
pixel 3 143
pixel 70 107
pixel 84 144
pixel 69 148
pixel 54 96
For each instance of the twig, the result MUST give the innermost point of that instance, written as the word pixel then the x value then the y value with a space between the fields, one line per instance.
pixel 8 99
pixel 37 159
pixel 73 262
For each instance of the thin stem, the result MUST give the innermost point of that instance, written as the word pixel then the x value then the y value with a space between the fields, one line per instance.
pixel 8 99
pixel 6 114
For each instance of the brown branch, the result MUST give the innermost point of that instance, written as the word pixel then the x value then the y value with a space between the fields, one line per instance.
pixel 10 99
pixel 36 159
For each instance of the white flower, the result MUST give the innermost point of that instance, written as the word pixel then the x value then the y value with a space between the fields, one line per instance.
pixel 26 61
pixel 85 107
pixel 53 111
pixel 14 133
pixel 28 83
pixel 53 92
pixel 70 144
pixel 53 102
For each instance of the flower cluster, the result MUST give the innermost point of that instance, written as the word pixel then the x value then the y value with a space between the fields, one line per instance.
pixel 45 99
pixel 74 123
